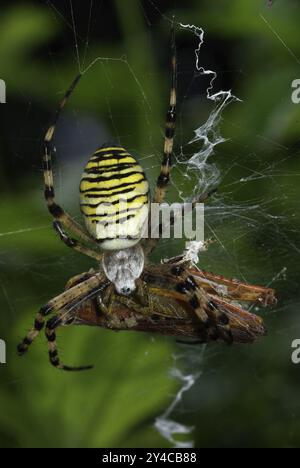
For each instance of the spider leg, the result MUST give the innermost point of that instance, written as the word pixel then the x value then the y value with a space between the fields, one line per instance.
pixel 50 333
pixel 211 315
pixel 80 278
pixel 74 244
pixel 56 304
pixel 105 301
pixel 56 210
pixel 164 176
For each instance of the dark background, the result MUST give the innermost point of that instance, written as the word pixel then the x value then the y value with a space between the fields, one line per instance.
pixel 244 396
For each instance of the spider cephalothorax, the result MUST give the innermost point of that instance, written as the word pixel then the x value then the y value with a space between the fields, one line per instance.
pixel 173 298
pixel 123 268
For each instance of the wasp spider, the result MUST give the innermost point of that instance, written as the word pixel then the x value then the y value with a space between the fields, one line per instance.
pixel 111 177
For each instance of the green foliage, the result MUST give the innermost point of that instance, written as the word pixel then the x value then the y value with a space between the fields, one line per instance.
pixel 127 388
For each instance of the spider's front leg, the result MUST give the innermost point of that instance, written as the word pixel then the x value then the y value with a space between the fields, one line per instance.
pixel 105 300
pixel 138 300
pixel 142 293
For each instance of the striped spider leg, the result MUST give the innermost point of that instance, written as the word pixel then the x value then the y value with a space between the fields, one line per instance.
pixel 209 313
pixel 164 177
pixel 61 305
pixel 165 170
pixel 63 219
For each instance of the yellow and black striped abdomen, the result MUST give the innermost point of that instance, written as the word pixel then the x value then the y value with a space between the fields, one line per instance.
pixel 114 198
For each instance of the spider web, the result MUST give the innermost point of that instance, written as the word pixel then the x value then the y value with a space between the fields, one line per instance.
pixel 237 216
